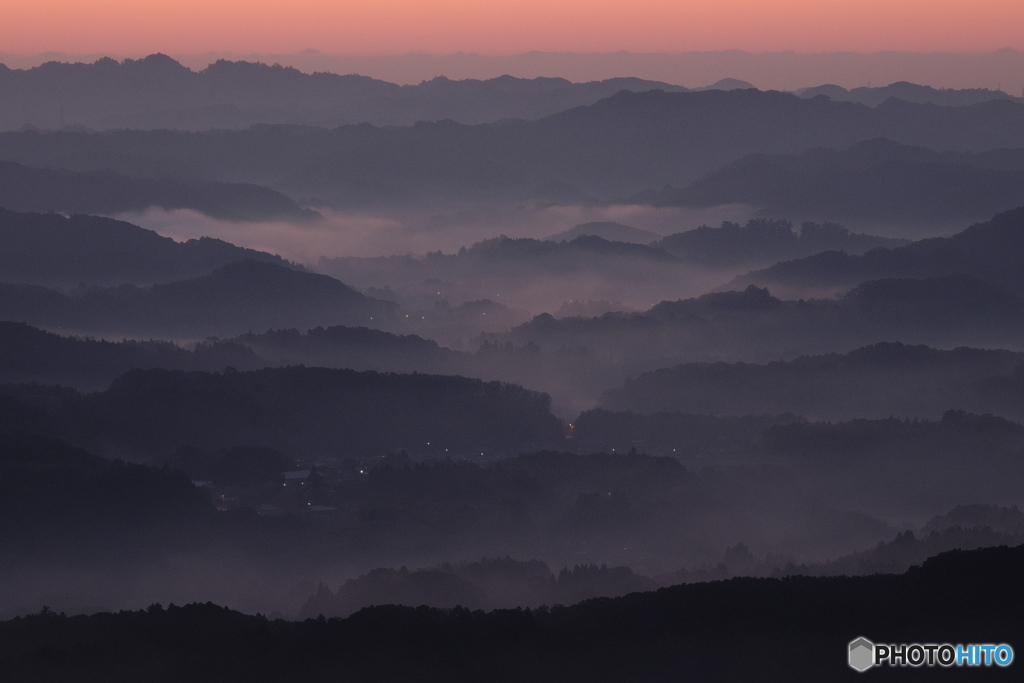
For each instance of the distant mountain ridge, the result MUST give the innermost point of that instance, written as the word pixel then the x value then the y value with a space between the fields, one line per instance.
pixel 871 181
pixel 908 92
pixel 618 146
pixel 158 92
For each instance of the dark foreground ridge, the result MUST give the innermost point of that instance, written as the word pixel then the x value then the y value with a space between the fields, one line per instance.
pixel 793 629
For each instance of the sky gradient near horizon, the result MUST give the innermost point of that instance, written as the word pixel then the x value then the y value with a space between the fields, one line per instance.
pixel 507 26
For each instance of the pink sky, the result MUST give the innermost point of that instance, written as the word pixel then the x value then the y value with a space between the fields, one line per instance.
pixel 498 27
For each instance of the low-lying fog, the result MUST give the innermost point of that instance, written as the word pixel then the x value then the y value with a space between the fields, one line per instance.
pixel 403 232
pixel 629 283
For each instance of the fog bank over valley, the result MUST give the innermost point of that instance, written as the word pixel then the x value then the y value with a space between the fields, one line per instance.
pixel 489 368
pixel 398 232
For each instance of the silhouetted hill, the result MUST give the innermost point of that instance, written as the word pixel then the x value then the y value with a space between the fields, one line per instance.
pixel 707 129
pixel 57 251
pixel 616 147
pixel 32 355
pixel 908 550
pixel 311 411
pixel 487 584
pixel 57 500
pixel 755 325
pixel 606 230
pixel 998 519
pixel 930 304
pixel 883 440
pixel 107 192
pixel 357 348
pixel 966 527
pixel 763 241
pixel 158 92
pixel 908 92
pixel 990 251
pixel 234 299
pixel 728 84
pixel 887 557
pixel 874 381
pixel 798 628
pixel 876 181
pixel 786 495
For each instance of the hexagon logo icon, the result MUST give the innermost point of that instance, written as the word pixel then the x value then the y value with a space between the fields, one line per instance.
pixel 862 654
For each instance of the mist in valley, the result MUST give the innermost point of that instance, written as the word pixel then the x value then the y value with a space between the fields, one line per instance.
pixel 644 338
pixel 390 231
